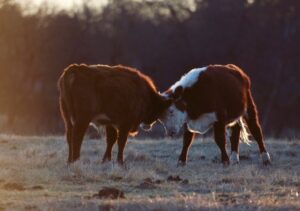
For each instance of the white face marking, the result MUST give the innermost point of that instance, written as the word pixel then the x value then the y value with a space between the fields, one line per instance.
pixel 173 119
pixel 203 123
pixel 189 79
pixel 234 158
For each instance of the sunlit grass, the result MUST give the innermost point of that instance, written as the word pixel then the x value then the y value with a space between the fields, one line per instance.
pixel 34 175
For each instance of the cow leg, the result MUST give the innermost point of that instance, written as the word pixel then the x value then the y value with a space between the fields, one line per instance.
pixel 122 139
pixel 78 131
pixel 256 132
pixel 253 124
pixel 69 131
pixel 187 140
pixel 234 140
pixel 220 139
pixel 111 138
pixel 68 126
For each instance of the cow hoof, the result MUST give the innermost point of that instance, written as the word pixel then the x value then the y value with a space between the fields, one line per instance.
pixel 105 161
pixel 122 165
pixel 234 158
pixel 266 160
pixel 226 163
pixel 267 163
pixel 181 163
pixel 71 162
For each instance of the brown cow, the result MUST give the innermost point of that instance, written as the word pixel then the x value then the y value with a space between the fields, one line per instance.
pixel 217 96
pixel 118 97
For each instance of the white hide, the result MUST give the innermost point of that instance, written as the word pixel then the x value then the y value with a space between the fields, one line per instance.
pixel 189 79
pixel 173 119
pixel 202 124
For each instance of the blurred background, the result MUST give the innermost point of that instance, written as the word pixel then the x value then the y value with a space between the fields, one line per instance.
pixel 161 38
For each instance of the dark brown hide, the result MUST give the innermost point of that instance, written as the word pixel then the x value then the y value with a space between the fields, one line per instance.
pixel 116 96
pixel 224 89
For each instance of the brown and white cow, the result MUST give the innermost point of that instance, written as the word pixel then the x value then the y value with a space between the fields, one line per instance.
pixel 118 97
pixel 217 96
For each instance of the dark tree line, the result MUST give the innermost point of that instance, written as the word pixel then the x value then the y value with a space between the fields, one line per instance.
pixel 163 39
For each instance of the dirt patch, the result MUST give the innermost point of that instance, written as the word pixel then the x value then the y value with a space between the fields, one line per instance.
pixel 177 178
pixel 116 178
pixel 13 186
pixel 148 183
pixel 174 178
pixel 13 147
pixel 31 207
pixel 226 199
pixel 109 193
pixel 245 157
pixel 291 154
pixel 3 142
pixel 37 187
pixel 226 181
pixel 216 160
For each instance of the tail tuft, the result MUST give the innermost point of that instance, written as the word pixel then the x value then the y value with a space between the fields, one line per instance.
pixel 244 135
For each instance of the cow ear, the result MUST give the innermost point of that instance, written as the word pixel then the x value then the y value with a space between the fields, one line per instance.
pixel 178 92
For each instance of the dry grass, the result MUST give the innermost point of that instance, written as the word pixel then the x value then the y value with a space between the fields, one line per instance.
pixel 34 176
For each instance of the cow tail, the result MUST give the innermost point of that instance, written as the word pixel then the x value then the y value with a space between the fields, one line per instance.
pixel 251 115
pixel 65 85
pixel 244 134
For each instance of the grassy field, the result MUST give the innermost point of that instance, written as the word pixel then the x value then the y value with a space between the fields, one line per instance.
pixel 34 176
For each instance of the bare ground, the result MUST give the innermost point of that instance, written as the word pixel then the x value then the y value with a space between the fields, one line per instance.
pixel 34 176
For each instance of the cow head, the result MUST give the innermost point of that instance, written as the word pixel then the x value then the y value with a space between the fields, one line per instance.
pixel 160 104
pixel 175 115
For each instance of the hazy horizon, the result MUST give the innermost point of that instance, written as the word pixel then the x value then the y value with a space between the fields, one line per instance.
pixel 32 6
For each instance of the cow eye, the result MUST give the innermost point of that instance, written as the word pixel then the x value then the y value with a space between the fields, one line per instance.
pixel 171 112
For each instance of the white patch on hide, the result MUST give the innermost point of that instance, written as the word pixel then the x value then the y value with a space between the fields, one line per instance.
pixel 189 79
pixel 173 119
pixel 203 123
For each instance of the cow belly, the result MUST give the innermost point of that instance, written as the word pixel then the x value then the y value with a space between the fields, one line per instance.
pixel 202 124
pixel 101 119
